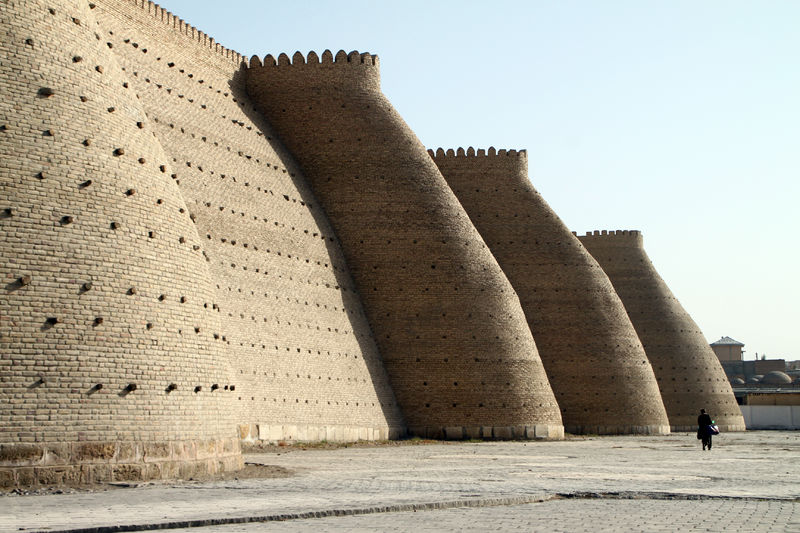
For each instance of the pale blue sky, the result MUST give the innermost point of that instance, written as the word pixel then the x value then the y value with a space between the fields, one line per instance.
pixel 677 118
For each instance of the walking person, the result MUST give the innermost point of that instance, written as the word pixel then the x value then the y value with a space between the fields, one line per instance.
pixel 703 429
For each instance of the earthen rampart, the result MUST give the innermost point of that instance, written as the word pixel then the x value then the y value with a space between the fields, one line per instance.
pixel 689 374
pixel 597 367
pixel 449 326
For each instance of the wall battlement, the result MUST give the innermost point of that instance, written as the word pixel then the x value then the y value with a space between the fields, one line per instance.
pixel 341 58
pixel 472 152
pixel 613 233
pixel 181 27
pixel 347 71
pixel 620 237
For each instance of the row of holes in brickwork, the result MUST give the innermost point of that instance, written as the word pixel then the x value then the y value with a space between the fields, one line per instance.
pixel 695 391
pixel 292 350
pixel 27 279
pixel 297 301
pixel 318 378
pixel 242 214
pixel 482 360
pixel 255 248
pixel 288 349
pixel 258 270
pixel 286 197
pixel 458 192
pixel 131 387
pixel 221 144
pixel 316 402
pixel 52 321
pixel 306 325
pixel 480 404
pixel 319 352
pixel 67 220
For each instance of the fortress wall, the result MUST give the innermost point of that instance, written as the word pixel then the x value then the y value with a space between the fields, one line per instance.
pixel 305 363
pixel 688 372
pixel 109 369
pixel 453 337
pixel 597 367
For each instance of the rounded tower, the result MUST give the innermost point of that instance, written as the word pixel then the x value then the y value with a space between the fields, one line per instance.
pixel 453 338
pixel 597 367
pixel 109 369
pixel 688 372
pixel 306 363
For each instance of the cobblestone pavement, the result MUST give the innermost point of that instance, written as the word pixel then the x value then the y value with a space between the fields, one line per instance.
pixel 748 482
pixel 572 516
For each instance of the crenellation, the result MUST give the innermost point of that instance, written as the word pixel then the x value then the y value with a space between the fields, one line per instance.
pixel 312 59
pixel 470 152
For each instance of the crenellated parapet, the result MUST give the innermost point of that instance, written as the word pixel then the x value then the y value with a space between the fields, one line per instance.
pixel 630 233
pixel 596 365
pixel 480 152
pixel 180 27
pixel 611 238
pixel 511 162
pixel 346 71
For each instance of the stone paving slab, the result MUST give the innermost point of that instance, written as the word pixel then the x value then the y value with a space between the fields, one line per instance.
pixel 742 466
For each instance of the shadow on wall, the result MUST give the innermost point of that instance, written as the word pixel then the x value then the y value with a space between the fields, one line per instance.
pixel 352 302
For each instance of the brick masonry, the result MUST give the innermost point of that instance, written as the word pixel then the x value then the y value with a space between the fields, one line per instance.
pixel 302 353
pixel 110 368
pixel 176 279
pixel 599 372
pixel 448 324
pixel 688 372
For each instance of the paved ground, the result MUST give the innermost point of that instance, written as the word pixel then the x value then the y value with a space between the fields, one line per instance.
pixel 749 482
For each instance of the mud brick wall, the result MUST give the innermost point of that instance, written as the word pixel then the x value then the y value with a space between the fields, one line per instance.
pixel 688 372
pixel 305 364
pixel 597 367
pixel 108 360
pixel 453 337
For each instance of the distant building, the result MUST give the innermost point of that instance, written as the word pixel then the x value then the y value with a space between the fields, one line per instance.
pixel 728 349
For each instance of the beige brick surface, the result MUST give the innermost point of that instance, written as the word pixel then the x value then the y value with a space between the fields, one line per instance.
pixel 95 233
pixel 448 324
pixel 596 365
pixel 689 374
pixel 292 325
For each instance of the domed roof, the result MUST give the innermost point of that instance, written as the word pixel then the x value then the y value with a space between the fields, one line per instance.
pixel 776 377
pixel 753 379
pixel 737 381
